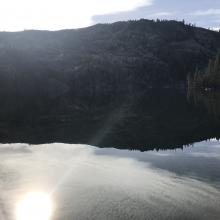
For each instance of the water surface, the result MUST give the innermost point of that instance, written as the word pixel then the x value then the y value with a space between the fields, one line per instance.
pixel 85 182
pixel 153 155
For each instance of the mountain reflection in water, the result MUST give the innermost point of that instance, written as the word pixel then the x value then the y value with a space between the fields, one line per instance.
pixel 154 119
pixel 176 177
pixel 86 182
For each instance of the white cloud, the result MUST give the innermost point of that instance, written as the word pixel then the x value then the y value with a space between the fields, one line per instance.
pixel 215 28
pixel 59 14
pixel 207 12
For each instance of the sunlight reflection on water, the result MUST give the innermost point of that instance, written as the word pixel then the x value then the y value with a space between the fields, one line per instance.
pixel 34 206
pixel 86 182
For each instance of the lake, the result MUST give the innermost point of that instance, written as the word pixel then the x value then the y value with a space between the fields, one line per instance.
pixel 146 156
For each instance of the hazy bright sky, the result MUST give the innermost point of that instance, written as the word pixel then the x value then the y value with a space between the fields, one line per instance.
pixel 61 14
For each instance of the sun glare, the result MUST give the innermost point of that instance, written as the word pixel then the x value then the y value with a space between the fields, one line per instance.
pixel 55 14
pixel 34 206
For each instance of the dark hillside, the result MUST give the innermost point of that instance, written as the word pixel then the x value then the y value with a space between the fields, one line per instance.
pixel 90 85
pixel 103 58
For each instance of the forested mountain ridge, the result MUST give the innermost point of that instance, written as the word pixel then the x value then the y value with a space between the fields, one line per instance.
pixel 104 57
pixel 89 85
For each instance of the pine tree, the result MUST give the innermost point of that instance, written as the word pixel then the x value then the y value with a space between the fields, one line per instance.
pixel 196 73
pixel 189 80
pixel 208 78
pixel 210 69
pixel 217 63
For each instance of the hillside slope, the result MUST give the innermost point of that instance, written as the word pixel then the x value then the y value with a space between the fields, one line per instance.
pixel 103 58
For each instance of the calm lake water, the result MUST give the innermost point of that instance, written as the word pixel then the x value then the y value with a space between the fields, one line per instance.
pixel 85 182
pixel 154 156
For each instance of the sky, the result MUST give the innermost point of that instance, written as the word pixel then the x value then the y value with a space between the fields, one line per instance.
pixel 16 15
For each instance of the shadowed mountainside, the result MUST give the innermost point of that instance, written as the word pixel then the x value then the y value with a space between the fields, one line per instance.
pixel 92 85
pixel 103 58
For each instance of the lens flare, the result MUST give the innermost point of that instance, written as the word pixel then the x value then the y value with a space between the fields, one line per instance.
pixel 34 206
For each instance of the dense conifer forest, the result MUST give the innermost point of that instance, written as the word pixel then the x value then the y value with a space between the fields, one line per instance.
pixel 207 78
pixel 104 58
